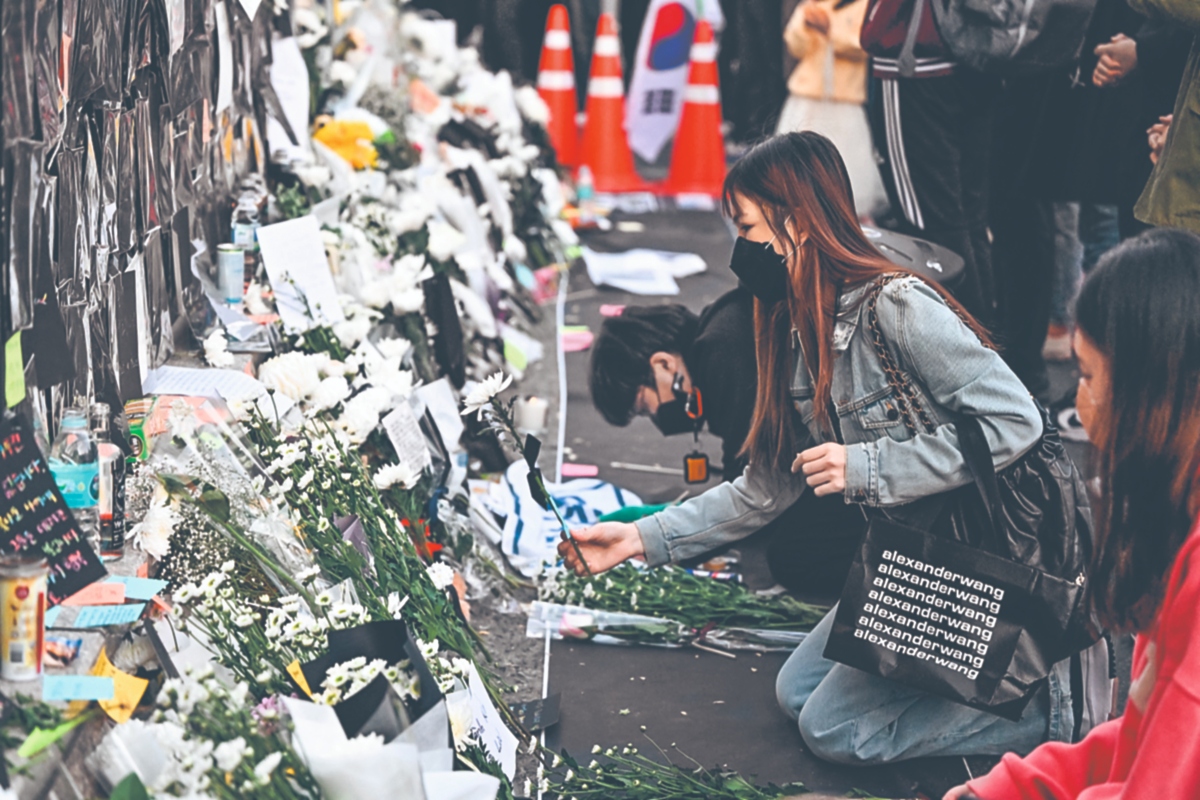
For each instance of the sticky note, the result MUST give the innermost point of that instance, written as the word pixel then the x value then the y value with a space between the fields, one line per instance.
pixel 52 615
pixel 298 676
pixel 142 588
pixel 570 470
pixel 99 616
pixel 98 594
pixel 14 371
pixel 60 688
pixel 127 690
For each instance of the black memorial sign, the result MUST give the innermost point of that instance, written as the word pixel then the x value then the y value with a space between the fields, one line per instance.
pixel 34 518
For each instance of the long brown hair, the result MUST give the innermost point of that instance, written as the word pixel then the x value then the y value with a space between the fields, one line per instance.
pixel 1139 308
pixel 801 177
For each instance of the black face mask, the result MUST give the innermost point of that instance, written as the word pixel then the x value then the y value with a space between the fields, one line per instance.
pixel 672 417
pixel 760 269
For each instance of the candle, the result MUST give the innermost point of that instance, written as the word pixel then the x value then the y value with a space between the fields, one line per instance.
pixel 531 414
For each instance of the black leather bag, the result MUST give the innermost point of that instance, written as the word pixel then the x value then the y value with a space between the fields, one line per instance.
pixel 972 594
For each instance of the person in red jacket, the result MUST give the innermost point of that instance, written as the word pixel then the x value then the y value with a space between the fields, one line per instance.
pixel 1138 343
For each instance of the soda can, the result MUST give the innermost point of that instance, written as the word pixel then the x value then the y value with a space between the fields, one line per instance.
pixel 22 616
pixel 231 272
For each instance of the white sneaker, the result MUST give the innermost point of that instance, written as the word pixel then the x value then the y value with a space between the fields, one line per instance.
pixel 1069 426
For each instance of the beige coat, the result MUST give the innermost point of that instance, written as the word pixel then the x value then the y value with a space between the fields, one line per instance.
pixel 849 84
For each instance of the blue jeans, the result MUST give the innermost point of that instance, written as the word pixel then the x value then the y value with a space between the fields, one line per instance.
pixel 849 717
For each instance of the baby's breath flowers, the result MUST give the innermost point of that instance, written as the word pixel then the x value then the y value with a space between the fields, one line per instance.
pixel 212 740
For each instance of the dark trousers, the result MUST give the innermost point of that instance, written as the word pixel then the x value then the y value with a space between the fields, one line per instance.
pixel 935 135
pixel 810 546
pixel 1023 232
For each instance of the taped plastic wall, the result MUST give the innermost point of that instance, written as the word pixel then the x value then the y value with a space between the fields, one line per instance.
pixel 114 160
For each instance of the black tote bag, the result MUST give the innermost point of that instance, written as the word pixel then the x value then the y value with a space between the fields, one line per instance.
pixel 972 594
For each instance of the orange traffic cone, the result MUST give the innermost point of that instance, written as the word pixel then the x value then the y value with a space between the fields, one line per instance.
pixel 556 85
pixel 698 155
pixel 604 147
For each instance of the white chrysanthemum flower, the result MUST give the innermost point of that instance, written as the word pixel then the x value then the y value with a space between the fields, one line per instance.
pixel 229 754
pixel 394 349
pixel 216 349
pixel 254 302
pixel 395 475
pixel 480 396
pixel 531 105
pixel 244 620
pixel 329 393
pixel 353 330
pixel 441 575
pixel 444 240
pixel 360 414
pixel 294 374
pixel 153 534
pixel 264 768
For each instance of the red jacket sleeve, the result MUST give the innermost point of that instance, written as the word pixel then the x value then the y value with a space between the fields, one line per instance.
pixel 1054 770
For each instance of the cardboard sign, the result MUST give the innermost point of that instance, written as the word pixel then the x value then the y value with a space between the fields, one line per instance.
pixel 34 518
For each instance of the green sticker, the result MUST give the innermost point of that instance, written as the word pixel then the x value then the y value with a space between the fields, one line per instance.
pixel 14 371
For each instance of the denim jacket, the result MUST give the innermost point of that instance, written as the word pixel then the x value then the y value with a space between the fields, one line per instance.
pixel 886 464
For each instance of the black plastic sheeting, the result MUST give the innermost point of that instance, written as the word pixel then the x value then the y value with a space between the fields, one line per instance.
pixel 113 161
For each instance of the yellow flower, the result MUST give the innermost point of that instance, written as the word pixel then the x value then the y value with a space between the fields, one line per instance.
pixel 351 140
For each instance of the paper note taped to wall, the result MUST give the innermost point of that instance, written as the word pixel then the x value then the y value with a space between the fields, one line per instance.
pixel 294 256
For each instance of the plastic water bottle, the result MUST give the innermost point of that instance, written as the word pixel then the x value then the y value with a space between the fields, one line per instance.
pixel 585 196
pixel 76 469
pixel 112 485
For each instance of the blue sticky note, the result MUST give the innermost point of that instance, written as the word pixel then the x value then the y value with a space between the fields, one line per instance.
pixel 139 588
pixel 51 615
pixel 99 616
pixel 76 687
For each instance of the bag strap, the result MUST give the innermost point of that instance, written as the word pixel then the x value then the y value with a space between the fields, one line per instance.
pixel 907 62
pixel 974 445
pixel 911 409
pixel 978 455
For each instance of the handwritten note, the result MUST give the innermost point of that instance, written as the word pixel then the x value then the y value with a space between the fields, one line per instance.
pixel 98 594
pixel 127 690
pixel 99 616
pixel 141 588
pixel 35 519
pixel 488 727
pixel 61 688
pixel 294 255
pixel 405 434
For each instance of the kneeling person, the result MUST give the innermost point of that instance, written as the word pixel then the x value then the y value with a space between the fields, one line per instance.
pixel 663 362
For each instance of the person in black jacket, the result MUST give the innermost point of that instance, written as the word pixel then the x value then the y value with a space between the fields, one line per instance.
pixel 659 361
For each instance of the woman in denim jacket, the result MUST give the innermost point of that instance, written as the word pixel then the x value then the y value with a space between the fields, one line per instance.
pixel 826 420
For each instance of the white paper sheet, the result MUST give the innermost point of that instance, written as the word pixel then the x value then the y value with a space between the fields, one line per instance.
pixel 224 58
pixel 226 383
pixel 488 727
pixel 294 256
pixel 289 78
pixel 641 271
pixel 405 434
pixel 438 397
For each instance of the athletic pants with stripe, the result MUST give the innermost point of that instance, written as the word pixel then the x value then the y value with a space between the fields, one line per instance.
pixel 936 135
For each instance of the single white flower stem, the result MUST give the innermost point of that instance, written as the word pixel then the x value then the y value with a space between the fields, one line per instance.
pixel 564 275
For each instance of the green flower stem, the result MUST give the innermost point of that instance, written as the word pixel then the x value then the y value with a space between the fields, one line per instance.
pixel 565 532
pixel 245 542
